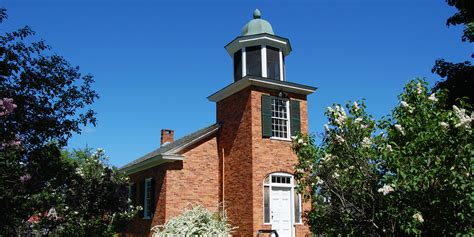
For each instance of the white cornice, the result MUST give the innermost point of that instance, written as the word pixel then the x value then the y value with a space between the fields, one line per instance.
pixel 261 82
pixel 261 39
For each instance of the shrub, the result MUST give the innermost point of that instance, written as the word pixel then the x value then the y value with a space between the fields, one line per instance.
pixel 195 220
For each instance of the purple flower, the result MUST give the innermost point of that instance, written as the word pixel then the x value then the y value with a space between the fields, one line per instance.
pixel 25 178
pixel 6 106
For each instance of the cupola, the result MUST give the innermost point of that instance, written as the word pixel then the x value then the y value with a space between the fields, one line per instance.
pixel 258 52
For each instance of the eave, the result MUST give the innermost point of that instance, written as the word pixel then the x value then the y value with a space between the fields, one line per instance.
pixel 261 82
pixel 152 162
pixel 259 39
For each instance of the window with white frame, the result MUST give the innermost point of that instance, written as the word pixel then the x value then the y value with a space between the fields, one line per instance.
pixel 147 199
pixel 280 115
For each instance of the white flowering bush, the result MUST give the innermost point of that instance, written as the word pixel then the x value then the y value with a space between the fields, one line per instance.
pixel 408 173
pixel 196 220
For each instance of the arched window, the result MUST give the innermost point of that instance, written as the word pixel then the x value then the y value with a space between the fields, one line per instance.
pixel 276 183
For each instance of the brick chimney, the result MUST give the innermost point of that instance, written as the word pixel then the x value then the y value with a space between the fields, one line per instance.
pixel 167 135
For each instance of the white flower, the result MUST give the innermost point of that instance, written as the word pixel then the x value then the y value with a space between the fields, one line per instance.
pixel 363 126
pixel 418 217
pixel 327 157
pixel 464 119
pixel 419 88
pixel 399 128
pixel 404 104
pixel 386 189
pixel 330 109
pixel 335 175
pixel 341 110
pixel 357 120
pixel 351 167
pixel 300 141
pixel 339 115
pixel 339 139
pixel 355 105
pixel 366 142
pixel 79 171
pixel 389 148
pixel 326 127
pixel 443 124
pixel 319 181
pixel 433 98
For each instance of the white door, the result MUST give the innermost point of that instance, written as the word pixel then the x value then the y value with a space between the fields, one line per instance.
pixel 281 211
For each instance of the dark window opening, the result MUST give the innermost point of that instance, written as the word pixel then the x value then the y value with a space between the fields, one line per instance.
pixel 238 65
pixel 273 63
pixel 254 61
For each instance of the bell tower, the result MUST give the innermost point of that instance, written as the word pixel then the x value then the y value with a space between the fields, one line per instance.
pixel 258 51
pixel 259 112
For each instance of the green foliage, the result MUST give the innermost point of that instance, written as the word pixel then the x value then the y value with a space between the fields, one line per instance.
pixel 197 220
pixel 43 101
pixel 458 78
pixel 464 16
pixel 409 173
pixel 88 196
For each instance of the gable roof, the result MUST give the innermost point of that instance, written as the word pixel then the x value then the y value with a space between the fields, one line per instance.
pixel 169 152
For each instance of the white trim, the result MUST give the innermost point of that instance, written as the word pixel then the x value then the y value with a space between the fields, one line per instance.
pixel 288 118
pixel 262 38
pixel 244 62
pixel 249 41
pixel 291 185
pixel 249 81
pixel 145 197
pixel 282 77
pixel 264 60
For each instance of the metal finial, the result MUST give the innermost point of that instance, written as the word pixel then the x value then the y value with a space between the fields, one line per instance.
pixel 257 14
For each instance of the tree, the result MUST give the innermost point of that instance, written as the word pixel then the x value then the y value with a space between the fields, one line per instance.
pixel 458 77
pixel 464 16
pixel 408 173
pixel 43 102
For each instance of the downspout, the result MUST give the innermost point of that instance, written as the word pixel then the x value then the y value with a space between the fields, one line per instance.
pixel 223 184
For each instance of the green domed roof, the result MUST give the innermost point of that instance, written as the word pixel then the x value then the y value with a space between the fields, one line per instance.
pixel 257 25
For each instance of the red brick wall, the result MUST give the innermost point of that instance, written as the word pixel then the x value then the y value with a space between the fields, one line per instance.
pixel 269 156
pixel 197 182
pixel 192 181
pixel 235 147
pixel 139 226
pixel 249 158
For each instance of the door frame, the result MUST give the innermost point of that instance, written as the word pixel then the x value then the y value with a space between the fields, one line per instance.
pixel 291 185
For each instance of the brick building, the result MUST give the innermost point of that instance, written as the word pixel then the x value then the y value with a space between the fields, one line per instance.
pixel 243 161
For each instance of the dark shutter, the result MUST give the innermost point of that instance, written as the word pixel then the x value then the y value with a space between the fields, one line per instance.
pixel 266 116
pixel 295 117
pixel 141 197
pixel 133 194
pixel 152 198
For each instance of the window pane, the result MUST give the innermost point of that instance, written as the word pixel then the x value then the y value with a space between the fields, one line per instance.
pixel 297 207
pixel 238 65
pixel 266 204
pixel 279 109
pixel 147 209
pixel 273 63
pixel 254 61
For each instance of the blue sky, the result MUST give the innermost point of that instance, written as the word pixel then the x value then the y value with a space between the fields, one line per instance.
pixel 155 62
